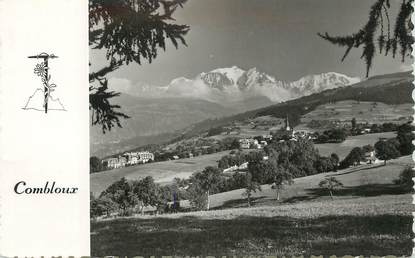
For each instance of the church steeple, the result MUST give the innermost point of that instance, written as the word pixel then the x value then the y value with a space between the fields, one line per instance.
pixel 287 124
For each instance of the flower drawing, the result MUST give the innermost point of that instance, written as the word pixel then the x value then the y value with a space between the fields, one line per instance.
pixel 40 69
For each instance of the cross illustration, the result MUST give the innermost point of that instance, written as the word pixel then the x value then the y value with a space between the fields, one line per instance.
pixel 42 71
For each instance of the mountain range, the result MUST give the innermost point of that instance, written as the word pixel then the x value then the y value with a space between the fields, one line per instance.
pixel 233 84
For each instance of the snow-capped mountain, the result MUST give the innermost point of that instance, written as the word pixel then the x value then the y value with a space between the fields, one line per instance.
pixel 226 85
pixel 316 83
pixel 235 83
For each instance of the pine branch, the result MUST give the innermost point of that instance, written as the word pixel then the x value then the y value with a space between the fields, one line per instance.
pixel 128 31
pixel 366 37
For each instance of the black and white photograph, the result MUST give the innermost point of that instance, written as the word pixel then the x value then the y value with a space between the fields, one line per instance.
pixel 250 127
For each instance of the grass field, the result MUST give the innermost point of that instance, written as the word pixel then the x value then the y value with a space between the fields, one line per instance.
pixel 364 226
pixel 160 171
pixel 342 149
pixel 369 216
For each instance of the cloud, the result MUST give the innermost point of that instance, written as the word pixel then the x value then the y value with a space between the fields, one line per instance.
pixel 189 88
pixel 119 84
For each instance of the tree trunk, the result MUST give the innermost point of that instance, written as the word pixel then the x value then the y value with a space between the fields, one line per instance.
pixel 331 195
pixel 384 162
pixel 208 201
pixel 249 200
pixel 142 209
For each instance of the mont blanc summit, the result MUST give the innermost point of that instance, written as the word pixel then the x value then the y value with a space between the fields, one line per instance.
pixel 236 84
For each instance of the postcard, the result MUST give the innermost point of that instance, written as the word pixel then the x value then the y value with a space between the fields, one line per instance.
pixel 194 128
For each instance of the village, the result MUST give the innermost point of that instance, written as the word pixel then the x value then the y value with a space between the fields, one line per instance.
pixel 285 133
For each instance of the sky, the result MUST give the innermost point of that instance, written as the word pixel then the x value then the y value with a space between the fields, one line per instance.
pixel 278 37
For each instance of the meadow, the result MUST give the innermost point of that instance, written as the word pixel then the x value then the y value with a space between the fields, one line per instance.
pixel 369 216
pixel 360 181
pixel 162 172
pixel 343 148
pixel 364 226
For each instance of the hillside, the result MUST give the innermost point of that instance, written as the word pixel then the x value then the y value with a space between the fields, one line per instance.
pixel 157 120
pixel 391 89
pixel 362 111
pixel 166 171
pixel 364 180
pixel 151 118
pixel 344 148
pixel 369 216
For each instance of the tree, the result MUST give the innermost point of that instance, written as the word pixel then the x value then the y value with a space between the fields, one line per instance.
pixel 331 184
pixel 405 136
pixel 405 178
pixel 165 195
pixel 368 148
pixel 338 135
pixel 95 164
pixel 128 31
pixel 254 156
pixel 120 192
pixel 279 177
pixel 215 131
pixel 324 164
pixel 223 163
pixel 180 183
pixel 385 150
pixel 197 196
pixel 260 170
pixel 323 138
pixel 335 160
pixel 355 156
pixel 299 155
pixel 146 191
pixel 353 123
pixel 101 206
pixel 251 186
pixel 208 180
pixel 376 34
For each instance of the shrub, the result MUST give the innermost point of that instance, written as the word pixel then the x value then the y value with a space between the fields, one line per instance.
pixel 101 206
pixel 386 150
pixel 355 156
pixel 405 178
pixel 405 137
pixel 120 192
pixel 331 184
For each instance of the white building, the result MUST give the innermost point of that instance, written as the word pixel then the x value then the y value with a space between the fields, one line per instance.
pixel 235 168
pixel 247 143
pixel 134 158
pixel 114 162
